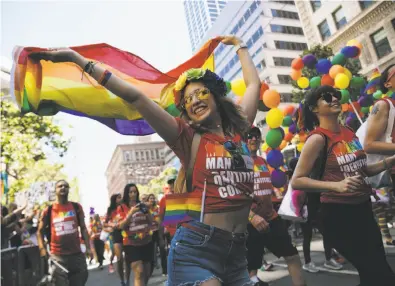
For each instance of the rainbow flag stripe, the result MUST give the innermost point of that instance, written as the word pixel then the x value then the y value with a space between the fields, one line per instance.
pixel 182 207
pixel 46 88
pixel 4 183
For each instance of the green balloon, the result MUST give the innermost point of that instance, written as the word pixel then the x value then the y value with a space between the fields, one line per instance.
pixel 339 59
pixel 365 110
pixel 315 82
pixel 274 138
pixel 345 96
pixel 378 94
pixel 357 82
pixel 287 121
pixel 228 86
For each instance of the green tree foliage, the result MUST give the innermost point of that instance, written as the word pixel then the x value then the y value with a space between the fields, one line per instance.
pixel 156 185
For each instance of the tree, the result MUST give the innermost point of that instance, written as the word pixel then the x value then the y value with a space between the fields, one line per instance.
pixel 26 140
pixel 156 185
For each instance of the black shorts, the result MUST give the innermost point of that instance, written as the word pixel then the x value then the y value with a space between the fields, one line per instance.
pixel 117 236
pixel 277 240
pixel 143 253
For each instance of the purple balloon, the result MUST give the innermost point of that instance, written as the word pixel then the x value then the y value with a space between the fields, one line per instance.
pixel 349 120
pixel 309 61
pixel 292 128
pixel 323 66
pixel 279 178
pixel 275 158
pixel 350 52
pixel 365 101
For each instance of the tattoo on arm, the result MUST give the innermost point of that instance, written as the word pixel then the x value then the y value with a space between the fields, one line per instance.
pixel 375 110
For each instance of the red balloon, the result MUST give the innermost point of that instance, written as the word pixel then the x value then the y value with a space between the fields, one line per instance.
pixel 289 110
pixel 288 137
pixel 327 80
pixel 264 87
pixel 297 64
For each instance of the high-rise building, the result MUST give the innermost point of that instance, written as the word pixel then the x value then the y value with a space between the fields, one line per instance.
pixel 200 16
pixel 273 34
pixel 334 23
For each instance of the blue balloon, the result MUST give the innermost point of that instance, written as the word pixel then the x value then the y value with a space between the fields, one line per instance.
pixel 279 178
pixel 350 51
pixel 323 66
pixel 275 158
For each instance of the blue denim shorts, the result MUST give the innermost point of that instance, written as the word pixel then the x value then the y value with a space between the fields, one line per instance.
pixel 201 252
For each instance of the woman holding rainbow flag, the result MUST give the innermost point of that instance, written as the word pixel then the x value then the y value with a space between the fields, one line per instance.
pixel 211 251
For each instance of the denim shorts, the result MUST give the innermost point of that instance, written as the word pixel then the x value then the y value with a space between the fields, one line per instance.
pixel 201 252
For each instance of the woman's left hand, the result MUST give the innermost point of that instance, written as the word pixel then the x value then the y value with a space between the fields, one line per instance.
pixel 230 40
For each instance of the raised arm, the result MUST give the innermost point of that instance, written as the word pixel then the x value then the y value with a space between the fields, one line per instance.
pixel 250 100
pixel 162 122
pixel 377 124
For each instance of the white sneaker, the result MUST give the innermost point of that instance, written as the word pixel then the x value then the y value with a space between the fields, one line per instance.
pixel 333 264
pixel 310 267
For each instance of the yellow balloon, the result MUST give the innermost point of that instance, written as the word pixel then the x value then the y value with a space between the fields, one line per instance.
pixel 303 82
pixel 370 108
pixel 342 81
pixel 264 147
pixel 238 87
pixel 354 43
pixel 348 73
pixel 286 130
pixel 299 147
pixel 274 118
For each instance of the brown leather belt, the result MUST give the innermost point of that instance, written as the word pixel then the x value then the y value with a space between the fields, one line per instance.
pixel 217 233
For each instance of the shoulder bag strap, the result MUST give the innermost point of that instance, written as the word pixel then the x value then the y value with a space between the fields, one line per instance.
pixel 191 164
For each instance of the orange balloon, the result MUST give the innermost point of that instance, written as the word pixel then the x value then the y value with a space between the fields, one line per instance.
pixel 271 98
pixel 335 70
pixel 296 74
pixel 302 137
pixel 283 145
pixel 288 137
pixel 297 64
pixel 264 87
pixel 345 107
pixel 327 80
pixel 289 110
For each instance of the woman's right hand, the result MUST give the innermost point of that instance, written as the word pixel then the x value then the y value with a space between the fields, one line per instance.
pixel 134 209
pixel 60 55
pixel 350 184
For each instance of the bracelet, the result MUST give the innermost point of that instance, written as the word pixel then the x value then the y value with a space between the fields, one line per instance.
pixel 251 217
pixel 104 77
pixel 89 68
pixel 240 46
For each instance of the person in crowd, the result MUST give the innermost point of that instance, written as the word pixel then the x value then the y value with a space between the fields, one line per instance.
pixel 198 248
pixel 95 231
pixel 154 210
pixel 136 222
pixel 16 229
pixel 8 221
pixel 60 224
pixel 334 151
pixel 377 125
pixel 111 220
pixel 266 228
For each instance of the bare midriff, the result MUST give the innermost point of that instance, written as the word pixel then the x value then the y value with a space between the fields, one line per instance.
pixel 235 221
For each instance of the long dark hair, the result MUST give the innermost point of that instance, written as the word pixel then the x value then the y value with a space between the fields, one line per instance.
pixel 113 204
pixel 233 120
pixel 384 77
pixel 125 198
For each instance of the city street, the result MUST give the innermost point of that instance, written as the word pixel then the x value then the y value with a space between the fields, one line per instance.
pixel 277 277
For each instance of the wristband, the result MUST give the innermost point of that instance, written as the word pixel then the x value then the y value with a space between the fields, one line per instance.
pixel 251 217
pixel 240 46
pixel 104 78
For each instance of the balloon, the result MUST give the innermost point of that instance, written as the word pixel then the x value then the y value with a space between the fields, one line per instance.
pixel 342 81
pixel 302 137
pixel 289 110
pixel 335 70
pixel 288 137
pixel 348 73
pixel 275 158
pixel 274 138
pixel 345 107
pixel 264 87
pixel 238 87
pixel 339 59
pixel 327 80
pixel 357 82
pixel 370 108
pixel 365 110
pixel 299 147
pixel 323 66
pixel 287 121
pixel 378 94
pixel 303 82
pixel 279 178
pixel 296 74
pixel 283 144
pixel 286 129
pixel 228 86
pixel 309 61
pixel 365 101
pixel 345 96
pixel 297 64
pixel 354 43
pixel 274 118
pixel 293 128
pixel 264 147
pixel 271 98
pixel 350 51
pixel 315 82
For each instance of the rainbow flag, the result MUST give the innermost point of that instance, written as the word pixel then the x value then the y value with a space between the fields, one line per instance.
pixel 182 207
pixel 46 88
pixel 4 183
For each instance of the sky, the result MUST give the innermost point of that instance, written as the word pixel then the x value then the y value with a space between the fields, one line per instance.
pixel 154 30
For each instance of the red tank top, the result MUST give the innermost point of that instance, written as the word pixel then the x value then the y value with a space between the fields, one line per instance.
pixel 138 232
pixel 96 228
pixel 65 236
pixel 393 129
pixel 227 167
pixel 346 158
pixel 263 190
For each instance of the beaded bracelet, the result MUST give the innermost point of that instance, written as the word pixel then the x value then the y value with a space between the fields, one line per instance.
pixel 251 217
pixel 104 77
pixel 89 68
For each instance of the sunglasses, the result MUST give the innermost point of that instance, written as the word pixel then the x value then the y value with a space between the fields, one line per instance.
pixel 200 94
pixel 390 75
pixel 256 136
pixel 328 97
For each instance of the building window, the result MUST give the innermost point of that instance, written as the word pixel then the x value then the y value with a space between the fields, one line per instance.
pixel 282 62
pixel 315 5
pixel 282 45
pixel 127 155
pixel 286 97
pixel 393 23
pixel 324 30
pixel 287 29
pixel 340 19
pixel 380 43
pixel 285 14
pixel 284 79
pixel 365 4
pixel 286 2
